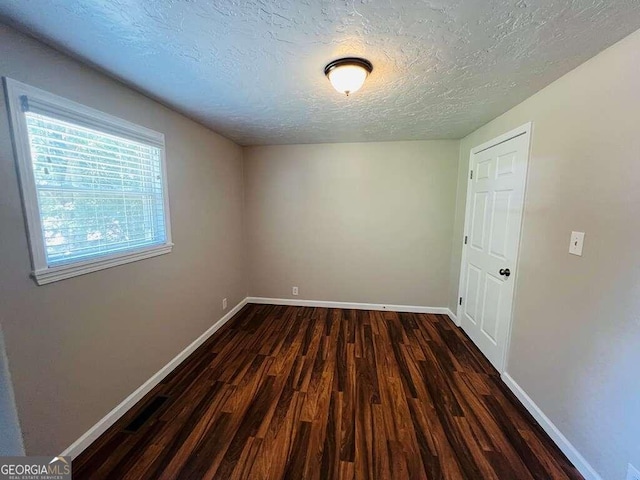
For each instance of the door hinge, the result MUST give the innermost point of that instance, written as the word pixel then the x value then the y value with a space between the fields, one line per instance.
pixel 471 174
pixel 465 239
pixel 460 301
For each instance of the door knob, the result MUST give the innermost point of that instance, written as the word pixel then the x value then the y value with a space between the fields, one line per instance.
pixel 505 271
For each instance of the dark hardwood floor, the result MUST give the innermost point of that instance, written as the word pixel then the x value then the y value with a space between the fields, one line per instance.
pixel 294 392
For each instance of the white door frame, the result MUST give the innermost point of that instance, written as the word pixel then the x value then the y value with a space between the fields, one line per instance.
pixel 525 130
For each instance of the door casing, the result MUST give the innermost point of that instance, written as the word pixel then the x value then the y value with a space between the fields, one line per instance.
pixel 525 130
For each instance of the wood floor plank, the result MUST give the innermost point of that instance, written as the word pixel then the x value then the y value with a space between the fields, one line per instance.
pixel 285 392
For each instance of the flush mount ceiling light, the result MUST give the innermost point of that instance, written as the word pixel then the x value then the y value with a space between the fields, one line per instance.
pixel 347 75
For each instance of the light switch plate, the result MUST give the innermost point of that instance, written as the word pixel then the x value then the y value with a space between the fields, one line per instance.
pixel 577 242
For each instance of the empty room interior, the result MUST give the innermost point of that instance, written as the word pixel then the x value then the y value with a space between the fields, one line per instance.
pixel 320 239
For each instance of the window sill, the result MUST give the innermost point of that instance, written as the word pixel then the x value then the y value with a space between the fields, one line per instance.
pixel 54 274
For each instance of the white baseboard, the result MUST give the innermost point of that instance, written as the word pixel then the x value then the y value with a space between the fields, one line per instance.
pixel 453 317
pixel 349 305
pixel 556 435
pixel 110 418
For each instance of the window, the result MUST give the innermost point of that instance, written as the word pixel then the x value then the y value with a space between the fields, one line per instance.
pixel 93 186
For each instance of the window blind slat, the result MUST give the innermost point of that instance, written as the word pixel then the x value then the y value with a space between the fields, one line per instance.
pixel 92 157
pixel 91 192
pixel 79 245
pixel 89 253
pixel 42 124
pixel 45 160
pixel 96 230
pixel 87 230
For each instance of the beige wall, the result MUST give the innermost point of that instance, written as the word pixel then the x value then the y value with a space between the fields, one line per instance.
pixel 11 438
pixel 78 347
pixel 575 347
pixel 360 222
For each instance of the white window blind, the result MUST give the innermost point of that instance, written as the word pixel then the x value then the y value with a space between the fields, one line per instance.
pixel 98 194
pixel 93 185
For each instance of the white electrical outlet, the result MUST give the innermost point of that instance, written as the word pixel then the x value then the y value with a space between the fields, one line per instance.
pixel 633 473
pixel 224 303
pixel 294 290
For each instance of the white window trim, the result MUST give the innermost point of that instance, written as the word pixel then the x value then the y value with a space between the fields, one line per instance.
pixel 85 116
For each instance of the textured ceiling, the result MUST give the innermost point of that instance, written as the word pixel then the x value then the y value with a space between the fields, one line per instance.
pixel 253 70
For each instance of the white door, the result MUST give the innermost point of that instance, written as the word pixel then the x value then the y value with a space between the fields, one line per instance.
pixel 495 200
